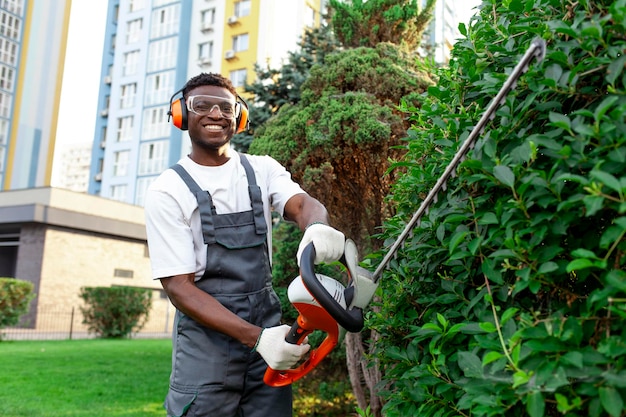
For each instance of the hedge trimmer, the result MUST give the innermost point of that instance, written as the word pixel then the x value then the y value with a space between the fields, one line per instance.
pixel 324 303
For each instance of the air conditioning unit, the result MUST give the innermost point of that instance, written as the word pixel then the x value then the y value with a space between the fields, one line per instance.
pixel 230 54
pixel 206 27
pixel 232 20
pixel 98 176
pixel 204 61
pixel 107 79
pixel 104 113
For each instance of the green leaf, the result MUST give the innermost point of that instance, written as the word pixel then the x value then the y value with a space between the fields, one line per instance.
pixel 488 326
pixel 603 107
pixel 611 401
pixel 506 316
pixel 504 174
pixel 548 267
pixel 456 240
pixel 491 357
pixel 488 268
pixel 488 218
pixel 470 364
pixel 608 180
pixel 536 406
pixel 560 120
pixel 520 378
pixel 584 253
pixel 617 279
pixel 615 69
pixel 573 358
pixel 578 264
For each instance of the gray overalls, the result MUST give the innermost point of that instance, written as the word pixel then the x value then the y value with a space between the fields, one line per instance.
pixel 214 375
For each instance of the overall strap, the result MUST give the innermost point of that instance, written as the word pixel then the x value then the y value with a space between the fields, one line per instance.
pixel 205 204
pixel 255 197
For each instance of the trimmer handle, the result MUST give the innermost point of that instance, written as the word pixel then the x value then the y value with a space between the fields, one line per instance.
pixel 349 319
pixel 319 310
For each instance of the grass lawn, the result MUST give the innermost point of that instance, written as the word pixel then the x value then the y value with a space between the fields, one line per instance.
pixel 84 378
pixel 121 378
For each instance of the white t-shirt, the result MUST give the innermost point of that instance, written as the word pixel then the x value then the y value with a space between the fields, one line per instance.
pixel 173 224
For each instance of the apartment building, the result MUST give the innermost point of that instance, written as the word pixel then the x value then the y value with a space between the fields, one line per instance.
pixel 151 49
pixel 33 36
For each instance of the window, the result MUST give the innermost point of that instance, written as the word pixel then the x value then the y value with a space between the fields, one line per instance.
pixel 165 21
pixel 207 18
pixel 240 42
pixel 205 51
pixel 131 61
pixel 120 165
pixel 9 25
pixel 155 124
pixel 141 186
pixel 127 96
pixel 134 5
pixel 153 157
pixel 123 273
pixel 13 6
pixel 124 129
pixel 162 55
pixel 7 76
pixel 8 51
pixel 118 192
pixel 242 8
pixel 159 88
pixel 4 133
pixel 133 31
pixel 5 104
pixel 238 77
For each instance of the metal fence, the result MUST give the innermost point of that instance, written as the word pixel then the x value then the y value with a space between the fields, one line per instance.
pixel 54 323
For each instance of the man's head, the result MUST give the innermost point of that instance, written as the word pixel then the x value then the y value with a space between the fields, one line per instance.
pixel 180 108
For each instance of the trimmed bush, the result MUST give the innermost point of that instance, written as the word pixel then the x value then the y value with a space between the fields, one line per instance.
pixel 115 312
pixel 510 299
pixel 15 298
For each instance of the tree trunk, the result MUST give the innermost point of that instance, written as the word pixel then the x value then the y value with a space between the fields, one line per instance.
pixel 354 356
pixel 362 376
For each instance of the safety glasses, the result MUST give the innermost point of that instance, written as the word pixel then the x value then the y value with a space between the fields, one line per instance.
pixel 204 105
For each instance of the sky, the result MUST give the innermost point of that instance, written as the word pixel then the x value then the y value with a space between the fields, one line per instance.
pixel 81 77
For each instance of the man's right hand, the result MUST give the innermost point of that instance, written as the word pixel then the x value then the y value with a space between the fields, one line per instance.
pixel 278 353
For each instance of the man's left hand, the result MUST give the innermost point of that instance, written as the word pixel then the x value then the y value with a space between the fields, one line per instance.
pixel 329 243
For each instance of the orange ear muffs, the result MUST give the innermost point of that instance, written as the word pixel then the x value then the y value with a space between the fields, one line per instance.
pixel 243 121
pixel 178 113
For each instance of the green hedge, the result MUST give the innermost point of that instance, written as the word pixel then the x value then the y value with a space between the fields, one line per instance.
pixel 510 299
pixel 115 312
pixel 15 298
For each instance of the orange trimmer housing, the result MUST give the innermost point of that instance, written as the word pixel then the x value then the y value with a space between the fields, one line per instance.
pixel 311 317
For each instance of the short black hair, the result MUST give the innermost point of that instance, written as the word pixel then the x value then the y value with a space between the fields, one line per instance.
pixel 209 79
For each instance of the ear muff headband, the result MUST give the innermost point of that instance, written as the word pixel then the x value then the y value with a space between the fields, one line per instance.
pixel 178 113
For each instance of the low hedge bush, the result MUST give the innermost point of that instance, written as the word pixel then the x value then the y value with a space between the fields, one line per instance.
pixel 115 312
pixel 15 298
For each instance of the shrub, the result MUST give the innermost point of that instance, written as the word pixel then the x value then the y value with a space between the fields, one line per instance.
pixel 115 312
pixel 510 298
pixel 15 298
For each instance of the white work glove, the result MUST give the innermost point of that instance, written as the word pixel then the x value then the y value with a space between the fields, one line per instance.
pixel 278 353
pixel 329 243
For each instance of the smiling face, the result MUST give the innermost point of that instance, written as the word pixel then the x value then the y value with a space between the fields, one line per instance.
pixel 211 133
